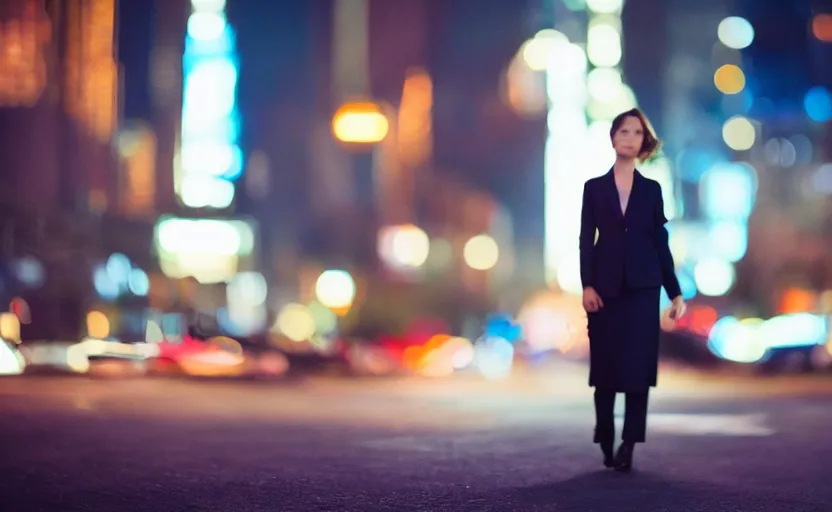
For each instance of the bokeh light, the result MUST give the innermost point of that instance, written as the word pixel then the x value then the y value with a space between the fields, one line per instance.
pixel 481 252
pixel 735 32
pixel 603 84
pixel 12 361
pixel 605 6
pixel 780 152
pixel 735 340
pixel 728 191
pixel 9 327
pixel 209 157
pixel 729 79
pixel 406 246
pixel 207 249
pixel 138 283
pixel 714 276
pixel 296 322
pixel 360 122
pixel 105 287
pixel 818 104
pixel 821 181
pixel 153 332
pixel 30 271
pixel 227 344
pixel 803 148
pixel 326 321
pixel 335 289
pixel 206 26
pixel 494 358
pixel 98 325
pixel 553 322
pixel 603 45
pixel 739 133
pixel 538 50
pixel 20 308
pixel 822 27
pixel 247 288
pixel 208 5
pixel 729 239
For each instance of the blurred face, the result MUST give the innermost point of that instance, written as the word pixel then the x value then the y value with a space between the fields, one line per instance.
pixel 628 139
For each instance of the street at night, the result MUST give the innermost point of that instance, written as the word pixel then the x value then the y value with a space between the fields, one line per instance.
pixel 373 255
pixel 714 443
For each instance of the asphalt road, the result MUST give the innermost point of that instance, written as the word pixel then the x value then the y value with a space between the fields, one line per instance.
pixel 714 444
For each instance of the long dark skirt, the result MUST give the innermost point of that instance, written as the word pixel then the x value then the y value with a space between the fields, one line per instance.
pixel 624 341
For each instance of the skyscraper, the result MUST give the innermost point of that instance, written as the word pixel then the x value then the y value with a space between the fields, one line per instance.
pixel 58 105
pixel 28 134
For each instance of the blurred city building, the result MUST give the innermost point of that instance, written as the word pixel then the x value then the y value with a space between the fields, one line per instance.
pixel 83 187
pixel 60 103
pixel 59 96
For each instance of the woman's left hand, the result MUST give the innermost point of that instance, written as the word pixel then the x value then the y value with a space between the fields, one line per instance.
pixel 678 308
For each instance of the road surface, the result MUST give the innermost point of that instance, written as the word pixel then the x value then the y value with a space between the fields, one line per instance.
pixel 326 444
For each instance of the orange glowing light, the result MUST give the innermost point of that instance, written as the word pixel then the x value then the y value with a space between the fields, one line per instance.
pixel 91 70
pixel 729 79
pixel 24 43
pixel 822 27
pixel 360 122
pixel 428 357
pixel 415 122
pixel 796 300
pixel 411 357
pixel 436 342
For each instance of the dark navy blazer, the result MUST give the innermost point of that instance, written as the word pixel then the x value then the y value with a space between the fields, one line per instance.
pixel 632 249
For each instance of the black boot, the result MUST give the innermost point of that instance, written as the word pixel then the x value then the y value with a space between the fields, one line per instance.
pixel 606 443
pixel 607 450
pixel 624 458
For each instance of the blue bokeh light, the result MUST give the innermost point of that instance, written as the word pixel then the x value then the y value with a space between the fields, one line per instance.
pixel 502 326
pixel 818 104
pixel 728 191
pixel 210 118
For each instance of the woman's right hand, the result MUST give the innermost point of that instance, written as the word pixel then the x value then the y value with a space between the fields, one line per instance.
pixel 592 301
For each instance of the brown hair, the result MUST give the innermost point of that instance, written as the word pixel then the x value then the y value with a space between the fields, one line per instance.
pixel 651 144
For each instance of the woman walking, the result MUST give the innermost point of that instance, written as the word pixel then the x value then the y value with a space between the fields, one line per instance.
pixel 622 272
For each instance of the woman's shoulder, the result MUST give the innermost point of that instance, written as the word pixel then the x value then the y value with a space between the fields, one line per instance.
pixel 651 182
pixel 591 182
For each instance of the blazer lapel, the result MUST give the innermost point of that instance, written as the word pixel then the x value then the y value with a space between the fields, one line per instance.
pixel 612 195
pixel 635 193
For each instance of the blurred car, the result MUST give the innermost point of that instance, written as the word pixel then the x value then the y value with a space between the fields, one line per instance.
pixel 12 361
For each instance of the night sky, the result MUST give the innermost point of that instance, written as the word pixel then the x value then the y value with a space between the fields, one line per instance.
pixel 134 42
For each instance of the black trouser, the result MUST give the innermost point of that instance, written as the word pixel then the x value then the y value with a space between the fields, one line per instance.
pixel 635 417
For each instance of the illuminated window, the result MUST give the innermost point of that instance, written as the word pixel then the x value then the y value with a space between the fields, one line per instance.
pixel 23 45
pixel 91 70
